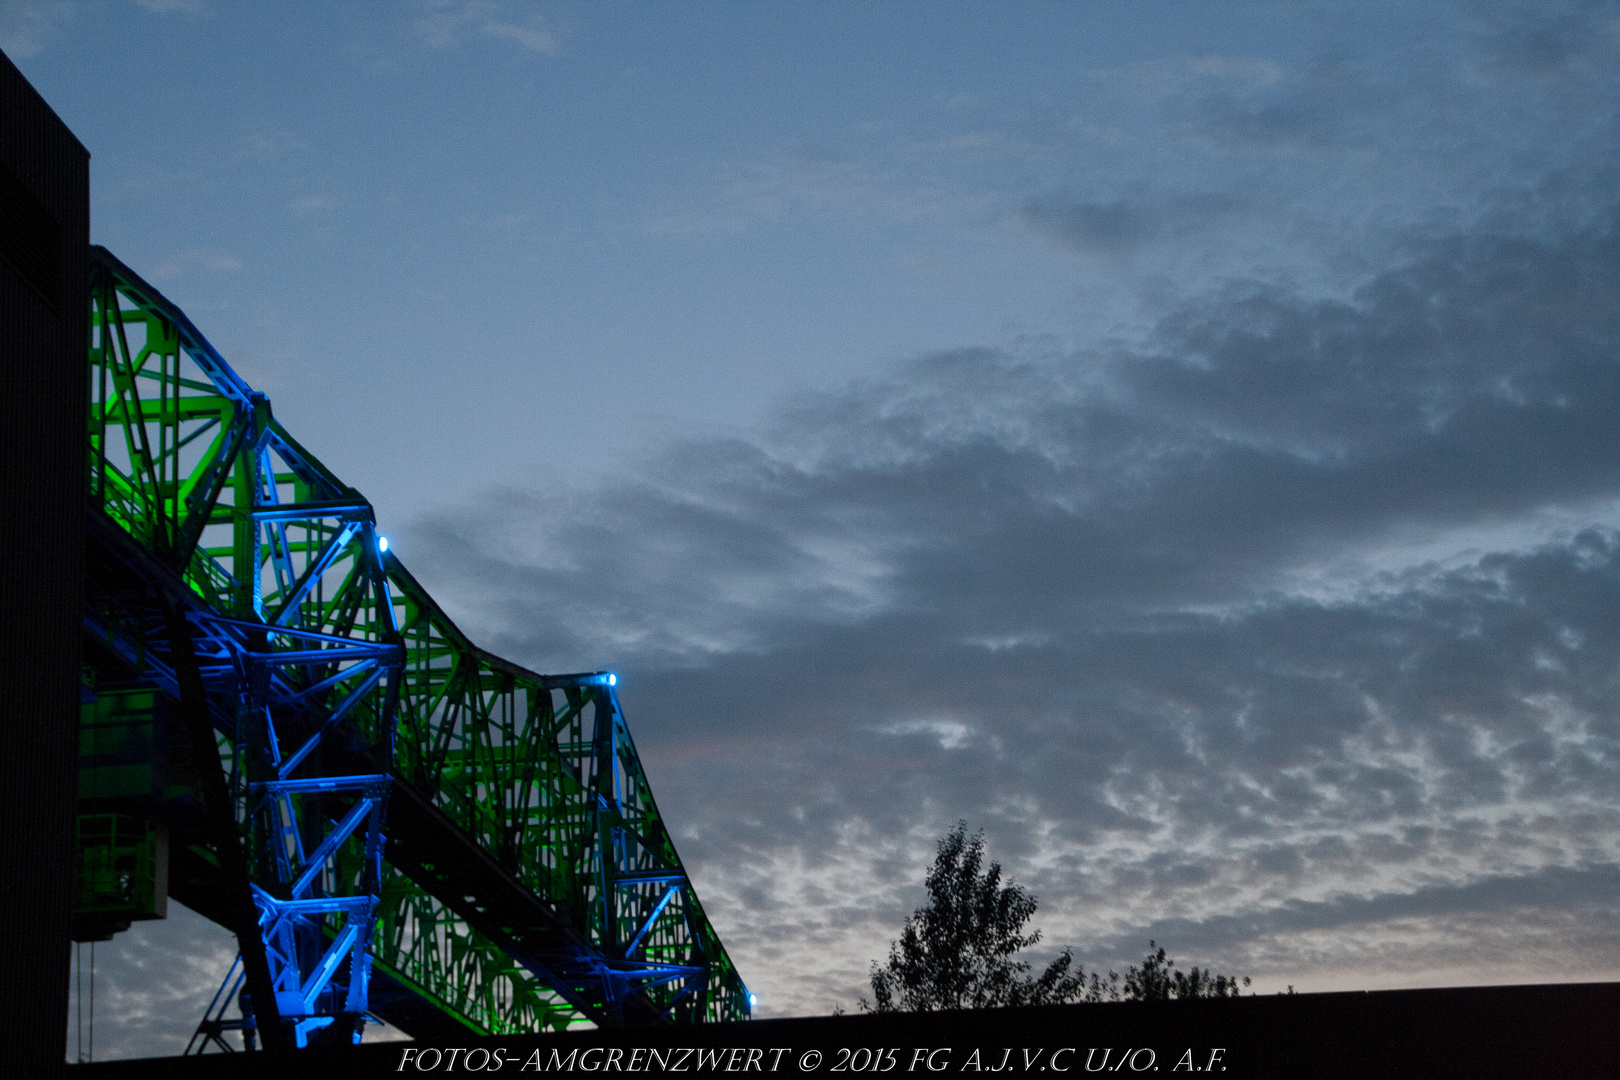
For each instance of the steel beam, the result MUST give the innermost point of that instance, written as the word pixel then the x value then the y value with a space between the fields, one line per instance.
pixel 522 877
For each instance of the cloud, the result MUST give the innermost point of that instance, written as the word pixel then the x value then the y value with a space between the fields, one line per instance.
pixel 1325 103
pixel 1287 625
pixel 808 181
pixel 1121 226
pixel 1517 39
pixel 266 147
pixel 170 7
pixel 305 205
pixel 1172 76
pixel 447 22
pixel 209 260
pixel 151 987
pixel 27 26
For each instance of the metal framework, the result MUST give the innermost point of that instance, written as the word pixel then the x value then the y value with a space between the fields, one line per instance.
pixel 414 827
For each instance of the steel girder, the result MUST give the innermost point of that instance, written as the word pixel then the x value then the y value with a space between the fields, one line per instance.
pixel 482 834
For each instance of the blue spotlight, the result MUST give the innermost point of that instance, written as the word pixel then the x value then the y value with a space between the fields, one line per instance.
pixel 613 680
pixel 382 543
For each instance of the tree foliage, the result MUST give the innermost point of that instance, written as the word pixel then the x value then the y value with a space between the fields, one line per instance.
pixel 1156 979
pixel 959 951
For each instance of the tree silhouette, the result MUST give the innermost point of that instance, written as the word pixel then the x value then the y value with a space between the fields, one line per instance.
pixel 959 950
pixel 1158 980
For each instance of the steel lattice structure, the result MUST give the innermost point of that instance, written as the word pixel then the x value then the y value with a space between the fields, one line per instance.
pixel 283 724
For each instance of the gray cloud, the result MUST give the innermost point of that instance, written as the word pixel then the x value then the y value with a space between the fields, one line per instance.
pixel 142 994
pixel 1121 226
pixel 1543 39
pixel 443 23
pixel 27 26
pixel 1295 619
pixel 1329 102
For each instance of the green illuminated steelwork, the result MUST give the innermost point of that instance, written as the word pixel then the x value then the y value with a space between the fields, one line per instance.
pixel 545 778
pixel 121 873
pixel 347 655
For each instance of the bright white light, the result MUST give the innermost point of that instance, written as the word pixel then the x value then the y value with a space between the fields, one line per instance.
pixel 753 1000
pixel 382 543
pixel 613 680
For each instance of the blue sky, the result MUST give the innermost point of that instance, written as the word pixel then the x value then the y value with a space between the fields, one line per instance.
pixel 1176 438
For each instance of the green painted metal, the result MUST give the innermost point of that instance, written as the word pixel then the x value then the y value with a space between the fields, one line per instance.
pixel 539 772
pixel 546 779
pixel 120 873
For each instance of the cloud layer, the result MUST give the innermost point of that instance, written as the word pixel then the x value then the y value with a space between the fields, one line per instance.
pixel 1283 634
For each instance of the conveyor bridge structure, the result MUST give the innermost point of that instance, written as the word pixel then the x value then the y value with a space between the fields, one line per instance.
pixel 282 730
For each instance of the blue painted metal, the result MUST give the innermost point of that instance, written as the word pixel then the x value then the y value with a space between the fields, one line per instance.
pixel 400 794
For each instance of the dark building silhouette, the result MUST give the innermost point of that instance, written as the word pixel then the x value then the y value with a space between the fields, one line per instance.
pixel 44 236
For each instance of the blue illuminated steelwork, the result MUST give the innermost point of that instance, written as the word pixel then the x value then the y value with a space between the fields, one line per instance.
pixel 407 807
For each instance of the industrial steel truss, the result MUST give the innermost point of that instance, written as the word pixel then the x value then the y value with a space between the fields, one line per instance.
pixel 393 820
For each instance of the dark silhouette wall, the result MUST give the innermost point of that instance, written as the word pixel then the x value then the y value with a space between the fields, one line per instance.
pixel 1468 1033
pixel 44 234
